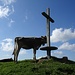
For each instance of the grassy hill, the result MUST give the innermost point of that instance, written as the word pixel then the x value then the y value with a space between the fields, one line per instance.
pixel 39 67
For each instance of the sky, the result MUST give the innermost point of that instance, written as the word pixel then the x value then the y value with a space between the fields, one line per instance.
pixel 23 18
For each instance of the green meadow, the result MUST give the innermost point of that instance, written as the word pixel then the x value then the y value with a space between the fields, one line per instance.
pixel 40 67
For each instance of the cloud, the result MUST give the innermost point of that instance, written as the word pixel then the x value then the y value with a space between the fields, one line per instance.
pixel 7 45
pixel 26 15
pixel 22 51
pixel 58 52
pixel 10 23
pixel 62 35
pixel 67 46
pixel 6 9
pixel 25 18
pixel 7 2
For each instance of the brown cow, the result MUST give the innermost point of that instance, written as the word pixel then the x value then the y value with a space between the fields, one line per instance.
pixel 28 43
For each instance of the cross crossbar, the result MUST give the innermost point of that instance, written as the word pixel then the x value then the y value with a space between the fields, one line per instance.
pixel 48 17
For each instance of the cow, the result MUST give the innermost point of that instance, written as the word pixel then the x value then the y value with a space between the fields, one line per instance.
pixel 6 60
pixel 28 43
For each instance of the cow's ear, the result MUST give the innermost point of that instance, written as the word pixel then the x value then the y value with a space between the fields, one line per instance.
pixel 41 36
pixel 45 37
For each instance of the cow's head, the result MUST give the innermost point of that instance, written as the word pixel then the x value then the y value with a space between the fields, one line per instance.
pixel 43 40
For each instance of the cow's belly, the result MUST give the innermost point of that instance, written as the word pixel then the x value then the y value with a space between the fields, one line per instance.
pixel 26 47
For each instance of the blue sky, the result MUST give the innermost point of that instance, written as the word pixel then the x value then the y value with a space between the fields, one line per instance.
pixel 23 18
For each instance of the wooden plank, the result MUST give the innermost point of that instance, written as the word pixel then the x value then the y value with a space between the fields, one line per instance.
pixel 48 17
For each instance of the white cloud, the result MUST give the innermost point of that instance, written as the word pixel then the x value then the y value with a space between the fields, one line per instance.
pixel 13 9
pixel 5 9
pixel 10 23
pixel 22 51
pixel 7 2
pixel 7 45
pixel 26 15
pixel 58 52
pixel 25 18
pixel 62 35
pixel 67 46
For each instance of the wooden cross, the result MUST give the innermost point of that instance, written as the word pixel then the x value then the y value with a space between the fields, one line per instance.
pixel 49 19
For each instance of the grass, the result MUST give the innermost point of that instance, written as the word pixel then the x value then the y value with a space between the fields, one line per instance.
pixel 43 67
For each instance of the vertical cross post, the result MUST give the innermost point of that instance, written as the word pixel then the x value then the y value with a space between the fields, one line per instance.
pixel 48 33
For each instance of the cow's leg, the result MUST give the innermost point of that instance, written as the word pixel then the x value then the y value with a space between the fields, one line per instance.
pixel 16 55
pixel 16 52
pixel 34 54
pixel 14 58
pixel 15 49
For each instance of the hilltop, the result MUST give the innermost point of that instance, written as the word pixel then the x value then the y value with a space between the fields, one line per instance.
pixel 39 67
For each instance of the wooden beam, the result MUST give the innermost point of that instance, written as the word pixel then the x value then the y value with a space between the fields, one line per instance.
pixel 48 17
